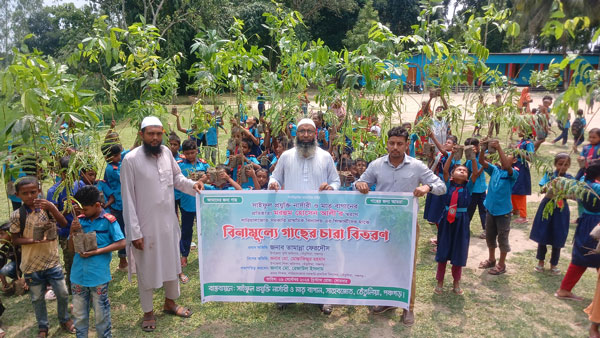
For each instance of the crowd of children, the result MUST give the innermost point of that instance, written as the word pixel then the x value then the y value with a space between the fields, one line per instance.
pixel 491 179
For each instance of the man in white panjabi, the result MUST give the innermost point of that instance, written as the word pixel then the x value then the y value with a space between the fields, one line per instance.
pixel 148 175
pixel 306 167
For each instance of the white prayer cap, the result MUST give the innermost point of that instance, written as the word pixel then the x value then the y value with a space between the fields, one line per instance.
pixel 151 121
pixel 306 121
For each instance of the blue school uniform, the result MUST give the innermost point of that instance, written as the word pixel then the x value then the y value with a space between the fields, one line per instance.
pixel 256 151
pixel 554 229
pixel 60 203
pixel 95 270
pixel 293 129
pixel 234 173
pixel 434 204
pixel 321 143
pixel 523 184
pixel 453 238
pixel 104 189
pixel 590 152
pixel 212 187
pixel 497 201
pixel 188 202
pixel 112 176
pixel 582 241
pixel 178 193
pixel 411 148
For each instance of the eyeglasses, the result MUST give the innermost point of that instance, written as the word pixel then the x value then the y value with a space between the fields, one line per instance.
pixel 305 132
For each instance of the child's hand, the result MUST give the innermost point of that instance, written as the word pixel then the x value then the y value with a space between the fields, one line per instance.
pixel 494 144
pixel 43 204
pixel 89 253
pixel 113 123
pixel 76 226
pixel 250 171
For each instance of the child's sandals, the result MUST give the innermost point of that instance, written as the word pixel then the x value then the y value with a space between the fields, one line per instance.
pixel 487 264
pixel 539 268
pixel 458 291
pixel 438 290
pixel 555 271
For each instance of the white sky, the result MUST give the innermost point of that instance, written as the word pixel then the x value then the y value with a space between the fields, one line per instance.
pixel 78 3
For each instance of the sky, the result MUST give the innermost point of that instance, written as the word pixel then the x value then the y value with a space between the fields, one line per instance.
pixel 78 3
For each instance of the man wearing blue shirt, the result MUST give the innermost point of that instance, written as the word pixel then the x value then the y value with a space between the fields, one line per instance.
pixel 499 208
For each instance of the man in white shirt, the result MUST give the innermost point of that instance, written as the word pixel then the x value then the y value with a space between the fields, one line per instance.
pixel 306 167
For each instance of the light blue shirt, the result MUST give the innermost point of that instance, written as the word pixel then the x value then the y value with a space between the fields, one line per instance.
pixel 95 270
pixel 480 185
pixel 498 202
pixel 188 202
pixel 406 177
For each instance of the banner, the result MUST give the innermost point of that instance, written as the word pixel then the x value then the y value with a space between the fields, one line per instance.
pixel 297 247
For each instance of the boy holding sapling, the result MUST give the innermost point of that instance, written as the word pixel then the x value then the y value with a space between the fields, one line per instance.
pixel 40 261
pixel 498 205
pixel 93 237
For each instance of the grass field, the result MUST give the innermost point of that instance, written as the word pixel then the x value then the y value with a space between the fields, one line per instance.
pixel 519 303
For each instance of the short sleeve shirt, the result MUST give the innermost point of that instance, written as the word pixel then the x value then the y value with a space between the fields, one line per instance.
pixel 498 198
pixel 40 256
pixel 95 270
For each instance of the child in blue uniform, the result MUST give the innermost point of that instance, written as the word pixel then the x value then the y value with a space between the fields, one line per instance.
pixel 498 206
pixel 453 232
pixel 554 229
pixel 248 159
pixel 434 205
pixel 112 176
pixel 522 187
pixel 225 176
pixel 582 241
pixel 190 164
pixel 589 152
pixel 479 187
pixel 412 139
pixel 90 274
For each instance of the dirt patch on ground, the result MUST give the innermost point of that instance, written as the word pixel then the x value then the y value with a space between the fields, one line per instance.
pixel 478 251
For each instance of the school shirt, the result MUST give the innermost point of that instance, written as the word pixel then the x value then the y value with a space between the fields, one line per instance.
pixel 95 270
pixel 188 202
pixel 406 177
pixel 590 152
pixel 411 147
pixel 293 129
pixel 105 190
pixel 112 176
pixel 40 256
pixel 212 187
pixel 178 193
pixel 498 199
pixel 480 185
pixel 326 132
pixel 60 202
pixel 528 146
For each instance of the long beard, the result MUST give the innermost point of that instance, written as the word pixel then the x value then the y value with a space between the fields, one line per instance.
pixel 151 150
pixel 306 149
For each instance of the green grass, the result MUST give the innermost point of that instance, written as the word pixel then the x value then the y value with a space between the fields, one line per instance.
pixel 517 304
